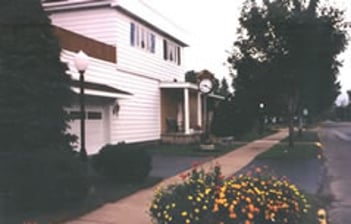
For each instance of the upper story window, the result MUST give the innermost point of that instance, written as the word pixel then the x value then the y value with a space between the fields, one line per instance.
pixel 142 38
pixel 171 52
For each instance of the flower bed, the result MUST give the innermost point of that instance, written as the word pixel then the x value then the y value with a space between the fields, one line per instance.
pixel 208 198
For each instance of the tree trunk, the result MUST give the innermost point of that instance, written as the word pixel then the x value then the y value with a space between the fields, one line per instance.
pixel 291 130
pixel 300 125
pixel 291 121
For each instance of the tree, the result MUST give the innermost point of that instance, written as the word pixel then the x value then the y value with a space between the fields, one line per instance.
pixel 191 76
pixel 34 89
pixel 285 57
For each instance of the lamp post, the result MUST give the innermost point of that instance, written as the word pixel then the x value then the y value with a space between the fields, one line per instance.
pixel 81 62
pixel 261 117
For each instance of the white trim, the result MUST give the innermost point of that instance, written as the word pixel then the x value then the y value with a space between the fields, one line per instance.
pixel 64 5
pixel 199 109
pixel 218 97
pixel 101 93
pixel 178 85
pixel 186 112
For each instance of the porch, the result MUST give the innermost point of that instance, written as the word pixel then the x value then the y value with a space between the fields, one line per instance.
pixel 181 113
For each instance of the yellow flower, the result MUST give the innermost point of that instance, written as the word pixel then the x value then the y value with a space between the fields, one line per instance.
pixel 204 207
pixel 318 144
pixel 173 205
pixel 190 197
pixel 196 210
pixel 207 190
pixel 184 213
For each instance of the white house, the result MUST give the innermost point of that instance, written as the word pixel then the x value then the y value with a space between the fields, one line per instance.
pixel 135 80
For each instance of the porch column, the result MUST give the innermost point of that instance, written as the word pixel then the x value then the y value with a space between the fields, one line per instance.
pixel 186 112
pixel 199 110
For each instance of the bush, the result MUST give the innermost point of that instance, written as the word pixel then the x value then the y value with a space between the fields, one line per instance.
pixel 42 179
pixel 205 198
pixel 123 163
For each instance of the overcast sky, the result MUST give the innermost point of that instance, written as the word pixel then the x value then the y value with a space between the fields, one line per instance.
pixel 211 27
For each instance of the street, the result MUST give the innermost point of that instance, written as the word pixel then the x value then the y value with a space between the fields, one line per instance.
pixel 336 139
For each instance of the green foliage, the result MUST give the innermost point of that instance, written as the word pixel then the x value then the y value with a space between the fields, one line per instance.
pixel 44 180
pixel 208 199
pixel 123 162
pixel 191 76
pixel 285 56
pixel 34 88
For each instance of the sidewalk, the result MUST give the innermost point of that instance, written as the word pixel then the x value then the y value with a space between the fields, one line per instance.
pixel 133 209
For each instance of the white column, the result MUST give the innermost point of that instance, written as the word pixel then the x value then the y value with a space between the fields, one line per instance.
pixel 199 110
pixel 186 112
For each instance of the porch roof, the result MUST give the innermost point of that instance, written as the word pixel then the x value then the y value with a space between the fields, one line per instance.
pixel 97 89
pixel 187 85
pixel 178 85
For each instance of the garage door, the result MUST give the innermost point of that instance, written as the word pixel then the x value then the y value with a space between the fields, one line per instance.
pixel 94 128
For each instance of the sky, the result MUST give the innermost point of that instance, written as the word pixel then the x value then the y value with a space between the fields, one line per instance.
pixel 211 30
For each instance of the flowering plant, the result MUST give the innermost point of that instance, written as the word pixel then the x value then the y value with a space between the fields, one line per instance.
pixel 206 198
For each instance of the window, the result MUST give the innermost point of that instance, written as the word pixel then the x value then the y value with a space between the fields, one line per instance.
pixel 90 115
pixel 142 38
pixel 171 52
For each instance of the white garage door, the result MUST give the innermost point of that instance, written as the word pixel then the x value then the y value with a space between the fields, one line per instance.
pixel 94 128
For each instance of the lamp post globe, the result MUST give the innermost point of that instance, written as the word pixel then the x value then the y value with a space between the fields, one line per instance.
pixel 81 62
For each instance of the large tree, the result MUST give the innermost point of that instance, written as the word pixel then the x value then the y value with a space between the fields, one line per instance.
pixel 34 88
pixel 286 56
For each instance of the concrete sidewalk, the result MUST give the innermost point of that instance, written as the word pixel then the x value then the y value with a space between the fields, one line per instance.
pixel 134 209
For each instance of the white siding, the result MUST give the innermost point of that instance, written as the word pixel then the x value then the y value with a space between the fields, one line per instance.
pixel 142 62
pixel 99 24
pixel 139 117
pixel 112 27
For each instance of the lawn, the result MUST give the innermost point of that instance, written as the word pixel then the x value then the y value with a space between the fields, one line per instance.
pixel 102 192
pixel 307 136
pixel 282 151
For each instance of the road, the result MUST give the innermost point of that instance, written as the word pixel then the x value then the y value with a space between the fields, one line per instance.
pixel 336 139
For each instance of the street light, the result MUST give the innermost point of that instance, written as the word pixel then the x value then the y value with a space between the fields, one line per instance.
pixel 261 117
pixel 81 61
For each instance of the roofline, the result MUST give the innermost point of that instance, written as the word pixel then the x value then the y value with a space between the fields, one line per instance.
pixel 178 85
pixel 164 33
pixel 65 6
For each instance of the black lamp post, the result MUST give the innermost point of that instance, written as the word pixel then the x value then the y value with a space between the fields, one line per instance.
pixel 261 118
pixel 81 62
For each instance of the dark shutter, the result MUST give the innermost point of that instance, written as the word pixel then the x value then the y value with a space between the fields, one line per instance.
pixel 165 49
pixel 179 56
pixel 132 34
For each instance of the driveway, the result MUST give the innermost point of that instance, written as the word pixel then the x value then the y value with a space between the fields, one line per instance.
pixel 169 165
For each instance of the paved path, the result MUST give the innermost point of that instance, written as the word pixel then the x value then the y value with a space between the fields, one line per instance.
pixel 336 138
pixel 133 209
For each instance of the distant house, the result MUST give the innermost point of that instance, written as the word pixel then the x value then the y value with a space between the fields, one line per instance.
pixel 135 81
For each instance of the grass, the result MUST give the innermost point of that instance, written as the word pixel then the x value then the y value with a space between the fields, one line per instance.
pixel 103 192
pixel 307 136
pixel 283 151
pixel 253 135
pixel 192 150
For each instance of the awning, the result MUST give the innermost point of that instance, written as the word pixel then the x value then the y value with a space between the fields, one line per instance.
pixel 178 85
pixel 187 85
pixel 101 90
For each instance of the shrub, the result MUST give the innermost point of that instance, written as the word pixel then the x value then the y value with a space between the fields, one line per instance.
pixel 207 199
pixel 47 179
pixel 123 162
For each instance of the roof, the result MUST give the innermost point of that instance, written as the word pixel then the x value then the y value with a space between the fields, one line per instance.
pixel 187 85
pixel 97 89
pixel 137 9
